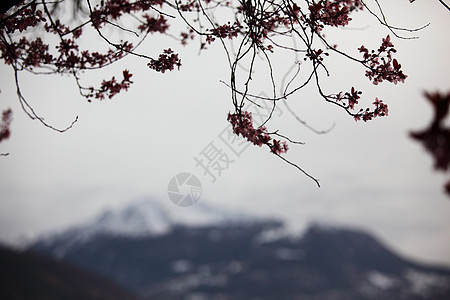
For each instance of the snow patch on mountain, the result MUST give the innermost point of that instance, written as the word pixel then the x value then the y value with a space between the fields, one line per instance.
pixel 381 281
pixel 423 283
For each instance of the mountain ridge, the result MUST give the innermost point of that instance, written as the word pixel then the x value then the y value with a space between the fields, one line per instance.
pixel 145 217
pixel 252 258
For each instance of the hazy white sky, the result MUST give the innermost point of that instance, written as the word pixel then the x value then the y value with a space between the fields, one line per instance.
pixel 372 174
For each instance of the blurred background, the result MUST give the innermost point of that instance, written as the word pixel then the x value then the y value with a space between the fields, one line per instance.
pixel 373 176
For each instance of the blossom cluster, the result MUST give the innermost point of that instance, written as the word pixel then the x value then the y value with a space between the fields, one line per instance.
pixel 167 60
pixel 350 97
pixel 436 137
pixel 29 52
pixel 5 124
pixel 192 5
pixel 242 124
pixel 382 66
pixel 110 10
pixel 315 55
pixel 36 53
pixel 381 110
pixel 32 53
pixel 111 87
pixel 333 13
pixel 22 19
pixel 226 31
pixel 261 23
pixel 189 35
pixel 348 100
pixel 154 24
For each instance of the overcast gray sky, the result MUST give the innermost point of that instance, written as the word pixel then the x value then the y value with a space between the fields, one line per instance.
pixel 372 174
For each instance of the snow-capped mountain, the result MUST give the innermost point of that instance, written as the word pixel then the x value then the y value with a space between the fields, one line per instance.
pixel 160 253
pixel 142 218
